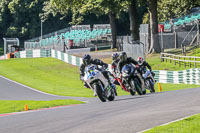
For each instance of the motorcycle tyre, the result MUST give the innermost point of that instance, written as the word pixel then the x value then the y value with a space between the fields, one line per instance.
pixel 152 89
pixel 132 92
pixel 136 84
pixel 99 92
pixel 112 97
pixel 144 91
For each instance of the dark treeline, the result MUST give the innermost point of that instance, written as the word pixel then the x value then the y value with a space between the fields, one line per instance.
pixel 22 18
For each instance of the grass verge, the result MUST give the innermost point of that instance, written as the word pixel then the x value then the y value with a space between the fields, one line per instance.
pixel 188 125
pixel 56 77
pixel 46 74
pixel 7 106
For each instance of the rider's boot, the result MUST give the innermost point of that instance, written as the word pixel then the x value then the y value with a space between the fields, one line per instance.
pixel 95 94
pixel 113 86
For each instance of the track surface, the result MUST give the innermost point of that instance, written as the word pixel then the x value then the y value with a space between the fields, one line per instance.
pixel 127 114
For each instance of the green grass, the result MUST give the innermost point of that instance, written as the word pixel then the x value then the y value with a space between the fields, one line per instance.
pixel 156 64
pixel 56 77
pixel 188 125
pixel 7 106
pixel 46 74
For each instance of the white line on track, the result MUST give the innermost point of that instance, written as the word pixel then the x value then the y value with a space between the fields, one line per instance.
pixel 31 88
pixel 168 123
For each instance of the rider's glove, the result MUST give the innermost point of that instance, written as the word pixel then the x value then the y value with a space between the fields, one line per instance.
pixel 137 66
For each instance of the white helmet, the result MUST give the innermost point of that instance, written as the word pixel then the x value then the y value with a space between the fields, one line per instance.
pixel 140 60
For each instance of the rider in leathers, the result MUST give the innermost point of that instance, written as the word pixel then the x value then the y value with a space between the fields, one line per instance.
pixel 129 60
pixel 87 60
pixel 126 60
pixel 143 65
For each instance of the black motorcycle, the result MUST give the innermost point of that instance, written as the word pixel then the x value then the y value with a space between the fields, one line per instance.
pixel 132 79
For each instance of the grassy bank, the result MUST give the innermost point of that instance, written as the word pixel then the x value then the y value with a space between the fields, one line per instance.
pixel 7 106
pixel 188 125
pixel 56 77
pixel 46 74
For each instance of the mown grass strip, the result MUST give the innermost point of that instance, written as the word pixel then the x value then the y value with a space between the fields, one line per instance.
pixel 46 74
pixel 188 125
pixel 56 77
pixel 8 106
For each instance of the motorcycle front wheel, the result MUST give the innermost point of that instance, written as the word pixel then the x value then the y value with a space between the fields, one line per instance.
pixel 112 96
pixel 99 92
pixel 137 85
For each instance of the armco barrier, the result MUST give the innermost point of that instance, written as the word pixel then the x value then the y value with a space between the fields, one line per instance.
pixel 191 76
pixel 37 53
pixel 66 57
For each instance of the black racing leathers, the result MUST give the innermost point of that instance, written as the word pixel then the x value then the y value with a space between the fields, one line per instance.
pixel 128 61
pixel 95 62
pixel 144 67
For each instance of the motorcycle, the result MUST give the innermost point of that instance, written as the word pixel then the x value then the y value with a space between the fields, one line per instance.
pixel 132 80
pixel 118 81
pixel 149 81
pixel 98 83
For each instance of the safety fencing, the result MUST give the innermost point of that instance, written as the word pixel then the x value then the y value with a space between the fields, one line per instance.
pixel 190 61
pixel 191 76
pixel 70 59
pixel 33 53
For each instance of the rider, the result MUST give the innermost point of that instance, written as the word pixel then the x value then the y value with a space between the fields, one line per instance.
pixel 126 60
pixel 87 60
pixel 143 65
pixel 115 61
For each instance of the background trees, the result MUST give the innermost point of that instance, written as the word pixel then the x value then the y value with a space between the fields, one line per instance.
pixel 22 18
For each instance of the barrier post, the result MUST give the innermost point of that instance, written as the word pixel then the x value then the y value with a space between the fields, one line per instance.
pixel 26 107
pixel 184 61
pixel 159 88
pixel 189 62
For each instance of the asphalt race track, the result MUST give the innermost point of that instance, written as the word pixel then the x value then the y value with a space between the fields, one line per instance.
pixel 127 114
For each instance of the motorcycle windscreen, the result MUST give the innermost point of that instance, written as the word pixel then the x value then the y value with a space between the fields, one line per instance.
pixel 128 68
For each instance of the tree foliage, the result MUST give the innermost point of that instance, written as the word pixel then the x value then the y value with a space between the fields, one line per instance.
pixel 22 18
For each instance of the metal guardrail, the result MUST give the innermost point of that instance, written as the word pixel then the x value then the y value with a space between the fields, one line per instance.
pixel 178 59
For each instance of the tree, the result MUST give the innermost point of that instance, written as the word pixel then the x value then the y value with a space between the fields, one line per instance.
pixel 155 46
pixel 81 8
pixel 175 8
pixel 134 23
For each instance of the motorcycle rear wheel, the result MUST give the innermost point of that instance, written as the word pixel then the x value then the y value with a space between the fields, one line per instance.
pixel 152 89
pixel 99 92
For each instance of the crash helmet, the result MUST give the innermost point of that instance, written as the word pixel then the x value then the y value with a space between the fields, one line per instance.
pixel 86 59
pixel 123 56
pixel 115 56
pixel 140 60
